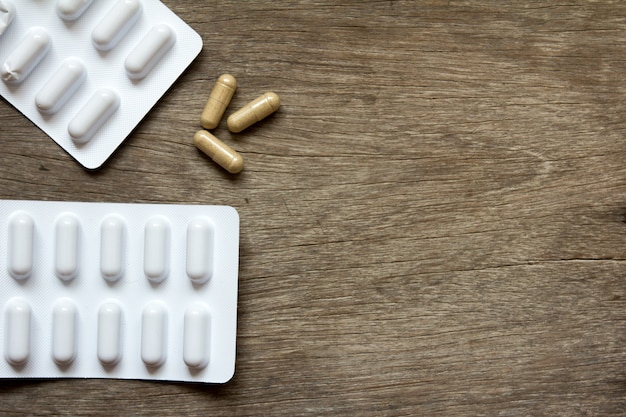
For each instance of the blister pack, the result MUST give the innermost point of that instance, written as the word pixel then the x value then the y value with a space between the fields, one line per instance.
pixel 110 290
pixel 87 72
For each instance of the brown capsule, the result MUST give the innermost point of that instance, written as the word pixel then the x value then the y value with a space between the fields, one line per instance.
pixel 218 151
pixel 253 112
pixel 220 97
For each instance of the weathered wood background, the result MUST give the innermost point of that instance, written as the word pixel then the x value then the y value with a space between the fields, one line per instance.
pixel 432 224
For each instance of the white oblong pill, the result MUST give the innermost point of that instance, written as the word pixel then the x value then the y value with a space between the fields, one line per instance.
pixel 196 337
pixel 61 86
pixel 72 9
pixel 153 334
pixel 112 247
pixel 199 250
pixel 17 331
pixel 26 55
pixel 92 116
pixel 64 316
pixel 109 333
pixel 20 245
pixel 115 24
pixel 156 248
pixel 66 246
pixel 7 13
pixel 149 51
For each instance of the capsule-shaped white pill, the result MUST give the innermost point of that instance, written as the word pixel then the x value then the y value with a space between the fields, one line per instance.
pixel 153 334
pixel 114 25
pixel 199 250
pixel 66 246
pixel 20 245
pixel 17 331
pixel 109 333
pixel 64 317
pixel 112 247
pixel 61 86
pixel 156 248
pixel 196 337
pixel 7 13
pixel 92 116
pixel 149 51
pixel 72 9
pixel 25 57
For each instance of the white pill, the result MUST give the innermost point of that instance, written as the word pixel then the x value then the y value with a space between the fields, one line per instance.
pixel 153 334
pixel 7 13
pixel 196 338
pixel 20 249
pixel 199 250
pixel 66 246
pixel 26 56
pixel 114 25
pixel 60 87
pixel 92 116
pixel 64 316
pixel 17 331
pixel 156 248
pixel 149 51
pixel 72 9
pixel 112 247
pixel 109 333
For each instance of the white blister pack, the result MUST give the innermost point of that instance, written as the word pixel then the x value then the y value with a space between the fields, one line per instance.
pixel 87 71
pixel 110 290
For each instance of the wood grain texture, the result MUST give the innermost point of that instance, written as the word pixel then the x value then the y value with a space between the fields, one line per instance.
pixel 432 223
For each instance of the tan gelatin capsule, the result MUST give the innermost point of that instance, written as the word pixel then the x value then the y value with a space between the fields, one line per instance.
pixel 253 112
pixel 220 97
pixel 218 151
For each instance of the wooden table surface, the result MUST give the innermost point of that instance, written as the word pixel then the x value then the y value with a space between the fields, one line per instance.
pixel 432 223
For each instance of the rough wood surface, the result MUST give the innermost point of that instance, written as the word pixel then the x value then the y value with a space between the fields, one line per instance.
pixel 432 224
